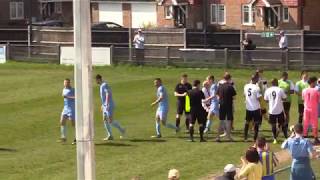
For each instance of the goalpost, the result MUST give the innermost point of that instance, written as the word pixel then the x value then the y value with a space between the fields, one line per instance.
pixel 83 88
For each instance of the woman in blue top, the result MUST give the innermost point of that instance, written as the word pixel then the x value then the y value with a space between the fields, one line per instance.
pixel 300 150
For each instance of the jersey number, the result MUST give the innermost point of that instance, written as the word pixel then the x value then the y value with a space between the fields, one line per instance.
pixel 249 92
pixel 274 94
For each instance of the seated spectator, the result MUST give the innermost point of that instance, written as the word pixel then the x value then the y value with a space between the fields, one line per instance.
pixel 229 173
pixel 251 167
pixel 300 149
pixel 173 174
pixel 267 158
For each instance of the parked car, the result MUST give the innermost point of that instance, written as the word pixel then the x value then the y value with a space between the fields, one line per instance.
pixel 106 26
pixel 54 23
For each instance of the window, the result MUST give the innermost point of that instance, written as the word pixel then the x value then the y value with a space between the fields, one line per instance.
pixel 218 14
pixel 248 15
pixel 16 10
pixel 285 12
pixel 58 7
pixel 168 12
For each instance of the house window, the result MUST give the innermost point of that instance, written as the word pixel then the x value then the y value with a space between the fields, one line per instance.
pixel 285 14
pixel 168 10
pixel 218 14
pixel 58 7
pixel 16 10
pixel 248 15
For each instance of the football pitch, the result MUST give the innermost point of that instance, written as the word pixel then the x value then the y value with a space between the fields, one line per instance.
pixel 31 104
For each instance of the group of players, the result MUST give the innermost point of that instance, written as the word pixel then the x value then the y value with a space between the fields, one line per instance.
pixel 215 100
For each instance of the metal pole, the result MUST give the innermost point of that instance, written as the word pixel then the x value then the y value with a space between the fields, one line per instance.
pixel 83 86
pixel 130 34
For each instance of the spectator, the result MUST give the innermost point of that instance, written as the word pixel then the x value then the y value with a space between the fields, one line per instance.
pixel 267 159
pixel 283 41
pixel 300 150
pixel 251 167
pixel 173 174
pixel 229 173
pixel 248 45
pixel 139 46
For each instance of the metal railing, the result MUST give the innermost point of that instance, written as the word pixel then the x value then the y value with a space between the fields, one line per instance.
pixel 186 57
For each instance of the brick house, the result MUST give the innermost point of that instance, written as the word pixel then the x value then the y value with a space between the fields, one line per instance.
pixel 18 12
pixel 161 13
pixel 264 14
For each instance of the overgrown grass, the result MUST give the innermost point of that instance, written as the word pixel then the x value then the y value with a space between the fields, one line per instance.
pixel 31 104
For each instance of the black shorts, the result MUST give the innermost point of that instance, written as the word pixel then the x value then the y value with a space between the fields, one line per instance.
pixel 181 107
pixel 286 106
pixel 226 113
pixel 198 116
pixel 256 116
pixel 301 108
pixel 276 118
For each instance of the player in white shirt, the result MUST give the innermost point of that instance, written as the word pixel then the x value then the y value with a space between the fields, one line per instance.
pixel 275 96
pixel 253 95
pixel 206 91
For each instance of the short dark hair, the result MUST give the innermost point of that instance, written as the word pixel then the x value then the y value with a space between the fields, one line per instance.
pixel 227 76
pixel 196 83
pixel 261 142
pixel 98 76
pixel 211 77
pixel 298 128
pixel 312 79
pixel 284 73
pixel 252 155
pixel 158 79
pixel 67 79
pixel 274 82
pixel 184 75
pixel 254 78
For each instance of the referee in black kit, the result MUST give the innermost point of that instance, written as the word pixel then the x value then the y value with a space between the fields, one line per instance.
pixel 197 112
pixel 180 92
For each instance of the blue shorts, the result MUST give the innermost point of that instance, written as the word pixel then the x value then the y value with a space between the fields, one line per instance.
pixel 107 112
pixel 214 108
pixel 68 113
pixel 162 114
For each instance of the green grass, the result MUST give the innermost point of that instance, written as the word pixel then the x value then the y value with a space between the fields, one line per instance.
pixel 30 108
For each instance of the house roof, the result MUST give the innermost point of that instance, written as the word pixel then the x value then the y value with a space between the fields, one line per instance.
pixel 277 2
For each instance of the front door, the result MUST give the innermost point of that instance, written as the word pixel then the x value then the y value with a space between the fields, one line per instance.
pixel 270 17
pixel 180 15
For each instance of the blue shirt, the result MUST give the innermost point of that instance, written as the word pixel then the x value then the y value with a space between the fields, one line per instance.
pixel 213 91
pixel 68 102
pixel 298 147
pixel 163 104
pixel 105 91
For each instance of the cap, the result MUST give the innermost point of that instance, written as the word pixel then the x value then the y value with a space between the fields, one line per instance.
pixel 173 173
pixel 139 30
pixel 282 32
pixel 229 168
